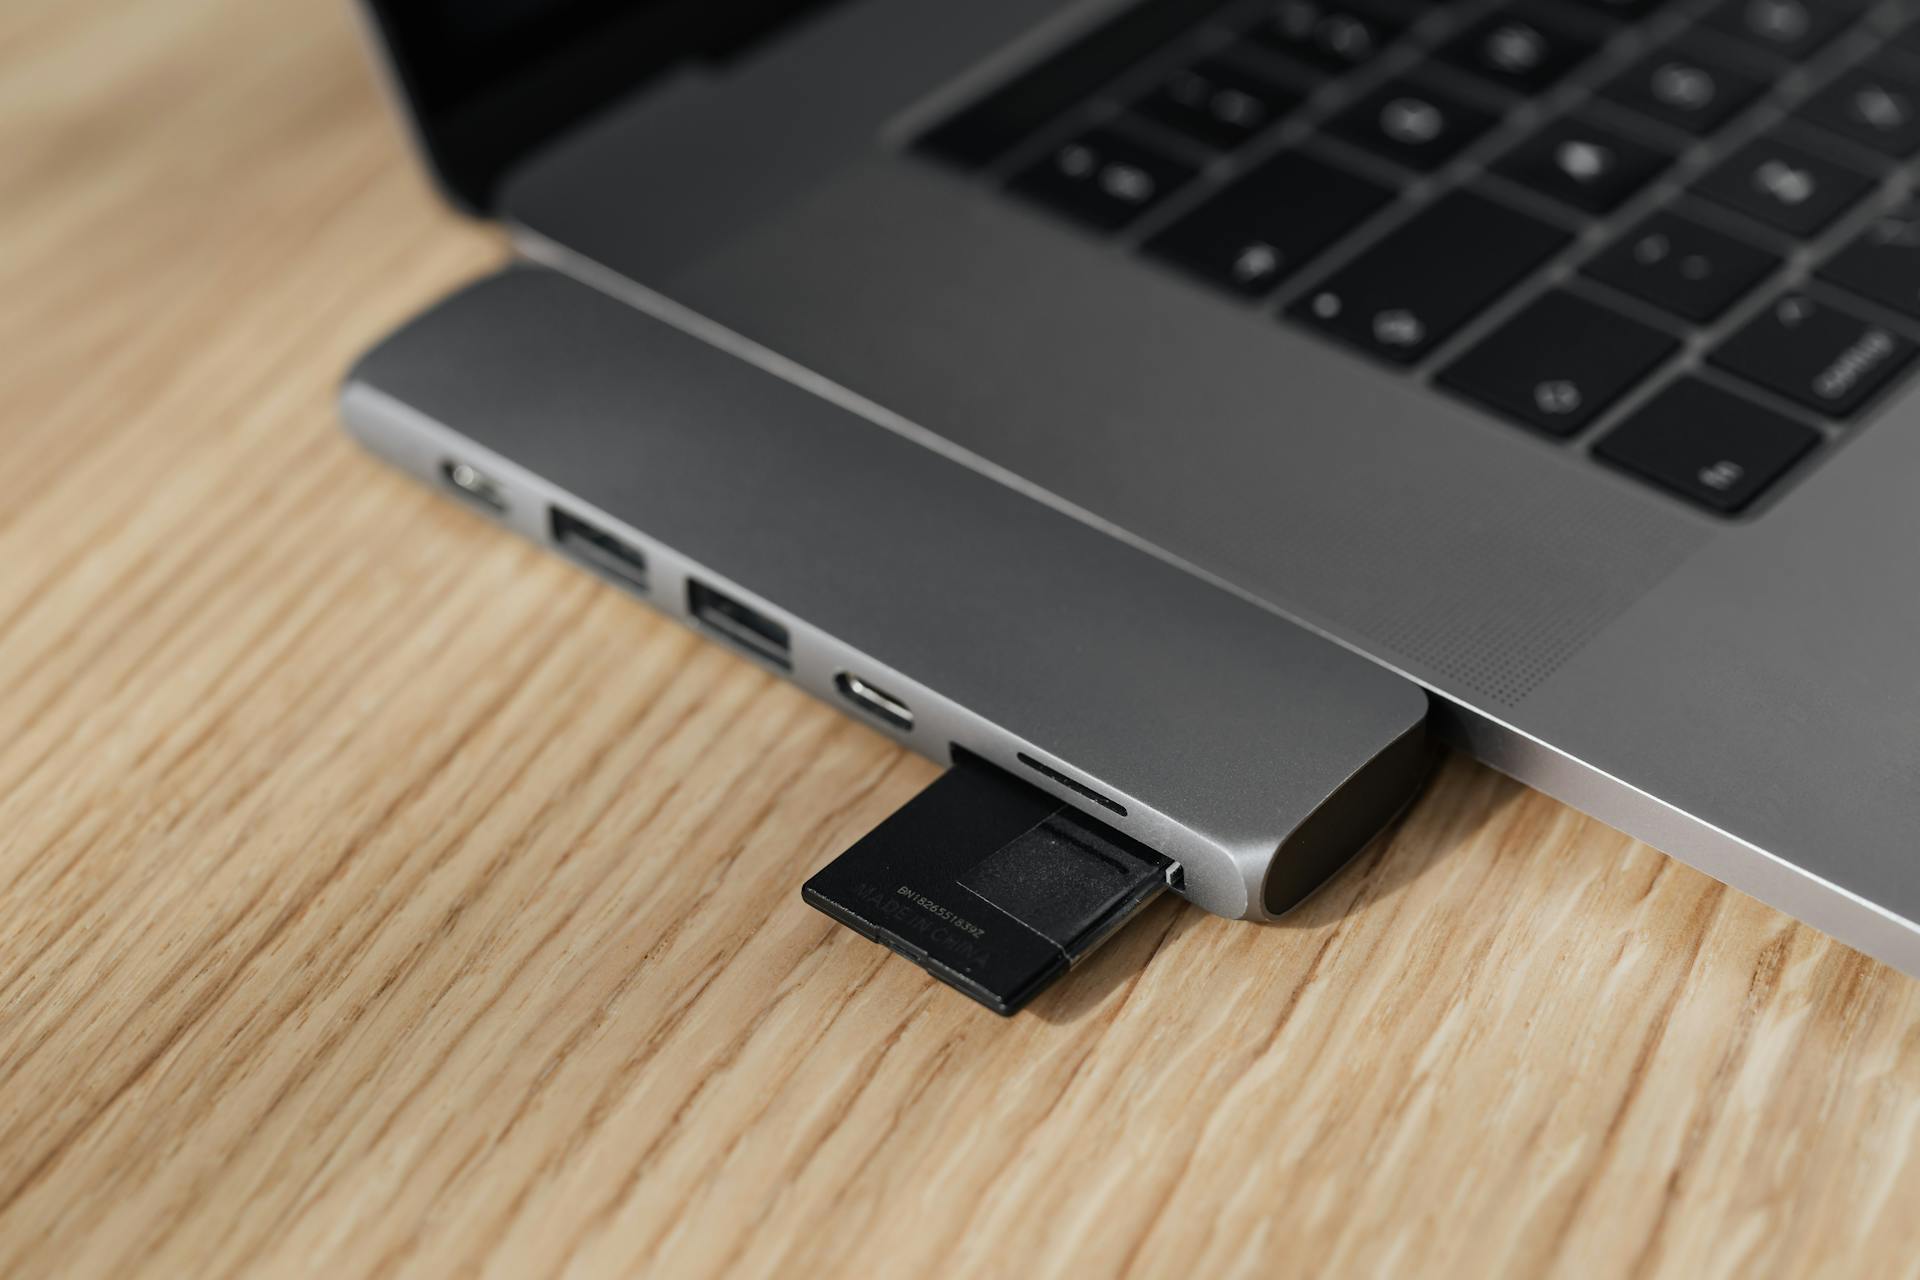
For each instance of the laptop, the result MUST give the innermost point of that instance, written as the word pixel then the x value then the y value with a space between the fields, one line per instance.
pixel 1554 356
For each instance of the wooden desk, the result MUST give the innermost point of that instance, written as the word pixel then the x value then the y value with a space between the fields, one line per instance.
pixel 379 896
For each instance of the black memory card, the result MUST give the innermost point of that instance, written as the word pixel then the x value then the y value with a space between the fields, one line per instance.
pixel 989 883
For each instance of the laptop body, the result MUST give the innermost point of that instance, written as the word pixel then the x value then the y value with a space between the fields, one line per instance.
pixel 1553 355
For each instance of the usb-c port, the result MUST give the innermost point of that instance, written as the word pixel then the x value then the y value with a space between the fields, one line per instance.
pixel 740 623
pixel 610 557
pixel 874 701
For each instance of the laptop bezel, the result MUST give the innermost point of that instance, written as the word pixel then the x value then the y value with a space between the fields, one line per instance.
pixel 478 101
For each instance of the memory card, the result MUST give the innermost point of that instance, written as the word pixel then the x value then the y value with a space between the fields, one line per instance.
pixel 989 883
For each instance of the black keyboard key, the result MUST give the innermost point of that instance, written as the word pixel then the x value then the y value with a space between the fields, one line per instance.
pixel 1814 353
pixel 1329 37
pixel 1682 267
pixel 1404 120
pixel 1519 49
pixel 1876 104
pixel 1792 29
pixel 1686 88
pixel 1909 37
pixel 1784 186
pixel 1558 363
pixel 993 126
pixel 1429 276
pixel 1217 103
pixel 1709 445
pixel 1582 164
pixel 1268 224
pixel 1101 179
pixel 1883 264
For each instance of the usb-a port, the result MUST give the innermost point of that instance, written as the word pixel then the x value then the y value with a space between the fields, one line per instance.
pixel 741 623
pixel 605 554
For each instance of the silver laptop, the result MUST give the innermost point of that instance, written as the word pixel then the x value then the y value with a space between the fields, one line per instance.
pixel 1553 355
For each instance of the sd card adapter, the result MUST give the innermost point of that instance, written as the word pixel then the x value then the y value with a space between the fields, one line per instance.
pixel 989 884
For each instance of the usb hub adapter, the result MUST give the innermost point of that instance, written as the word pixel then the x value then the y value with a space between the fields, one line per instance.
pixel 1115 721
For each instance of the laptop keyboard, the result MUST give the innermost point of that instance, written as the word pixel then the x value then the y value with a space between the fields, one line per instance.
pixel 1675 235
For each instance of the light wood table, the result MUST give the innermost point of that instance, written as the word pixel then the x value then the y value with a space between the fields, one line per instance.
pixel 379 896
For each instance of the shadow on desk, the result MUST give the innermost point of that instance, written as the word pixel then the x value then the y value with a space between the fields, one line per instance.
pixel 1409 846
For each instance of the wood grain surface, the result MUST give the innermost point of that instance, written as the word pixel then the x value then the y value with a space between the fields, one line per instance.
pixel 381 897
